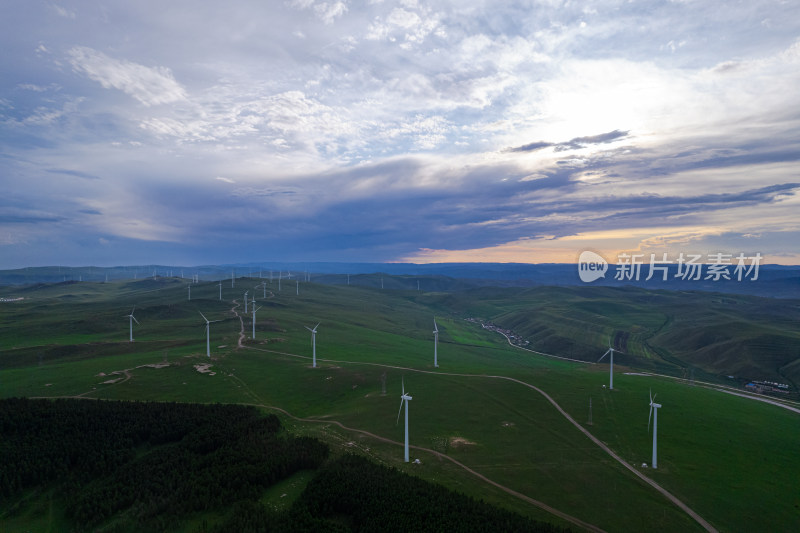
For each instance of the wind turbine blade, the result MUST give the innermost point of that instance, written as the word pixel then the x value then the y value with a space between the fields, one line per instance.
pixel 204 316
pixel 400 411
pixel 605 354
pixel 315 327
pixel 134 319
pixel 649 418
pixel 403 381
pixel 309 329
pixel 134 309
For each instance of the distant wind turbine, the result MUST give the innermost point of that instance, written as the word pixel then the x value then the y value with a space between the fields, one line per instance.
pixel 245 301
pixel 313 344
pixel 132 320
pixel 404 398
pixel 220 290
pixel 190 292
pixel 297 289
pixel 264 285
pixel 654 414
pixel 435 344
pixel 611 367
pixel 208 333
pixel 254 308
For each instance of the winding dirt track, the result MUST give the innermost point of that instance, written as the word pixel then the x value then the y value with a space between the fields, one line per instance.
pixel 685 508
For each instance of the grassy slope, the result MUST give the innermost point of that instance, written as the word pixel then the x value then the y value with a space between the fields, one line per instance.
pixel 670 332
pixel 519 440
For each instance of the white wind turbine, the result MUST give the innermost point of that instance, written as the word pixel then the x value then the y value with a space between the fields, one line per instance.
pixel 611 367
pixel 654 414
pixel 245 301
pixel 264 285
pixel 132 320
pixel 254 317
pixel 208 333
pixel 220 290
pixel 404 398
pixel 313 344
pixel 435 344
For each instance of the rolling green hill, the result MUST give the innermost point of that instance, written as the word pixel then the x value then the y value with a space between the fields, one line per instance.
pixel 678 333
pixel 480 422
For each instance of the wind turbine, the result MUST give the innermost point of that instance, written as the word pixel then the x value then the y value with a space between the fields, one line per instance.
pixel 404 398
pixel 435 344
pixel 245 301
pixel 313 344
pixel 297 289
pixel 654 414
pixel 264 285
pixel 208 333
pixel 220 290
pixel 611 367
pixel 132 320
pixel 190 292
pixel 254 317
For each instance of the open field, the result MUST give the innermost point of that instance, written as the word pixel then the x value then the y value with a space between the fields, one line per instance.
pixel 728 458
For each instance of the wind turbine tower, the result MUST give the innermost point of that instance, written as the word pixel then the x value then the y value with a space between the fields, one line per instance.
pixel 313 344
pixel 611 366
pixel 245 301
pixel 254 317
pixel 208 333
pixel 404 398
pixel 297 289
pixel 132 320
pixel 654 414
pixel 220 291
pixel 435 344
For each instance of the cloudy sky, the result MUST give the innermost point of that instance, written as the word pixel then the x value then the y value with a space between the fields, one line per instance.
pixel 196 132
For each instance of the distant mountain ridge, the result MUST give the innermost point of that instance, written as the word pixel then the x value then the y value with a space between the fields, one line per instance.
pixel 779 281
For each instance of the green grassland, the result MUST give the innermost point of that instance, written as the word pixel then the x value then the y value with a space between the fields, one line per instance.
pixel 728 458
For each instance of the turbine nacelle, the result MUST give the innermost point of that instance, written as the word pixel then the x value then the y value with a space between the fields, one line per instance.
pixel 653 405
pixel 403 398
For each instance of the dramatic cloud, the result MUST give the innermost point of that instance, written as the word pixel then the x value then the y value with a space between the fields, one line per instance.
pixel 396 130
pixel 574 144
